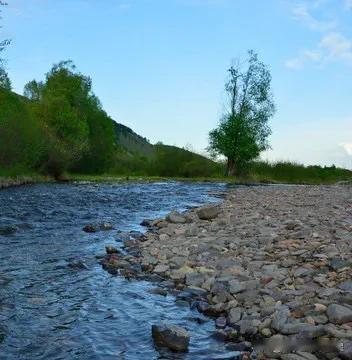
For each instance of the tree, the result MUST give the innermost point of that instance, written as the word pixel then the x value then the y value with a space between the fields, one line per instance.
pixel 33 90
pixel 243 130
pixel 5 82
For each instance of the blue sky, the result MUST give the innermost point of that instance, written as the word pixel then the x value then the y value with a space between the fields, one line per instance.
pixel 159 66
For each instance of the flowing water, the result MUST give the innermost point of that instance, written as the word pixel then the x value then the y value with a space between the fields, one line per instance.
pixel 51 311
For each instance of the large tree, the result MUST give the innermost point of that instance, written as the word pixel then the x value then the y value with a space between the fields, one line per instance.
pixel 243 130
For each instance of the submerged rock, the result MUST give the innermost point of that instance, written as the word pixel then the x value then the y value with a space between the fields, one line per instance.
pixel 174 337
pixel 90 228
pixel 7 229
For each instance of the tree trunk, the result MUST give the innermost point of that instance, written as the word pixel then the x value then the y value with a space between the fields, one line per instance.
pixel 231 167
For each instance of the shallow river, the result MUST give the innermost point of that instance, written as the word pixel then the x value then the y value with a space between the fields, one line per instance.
pixel 51 311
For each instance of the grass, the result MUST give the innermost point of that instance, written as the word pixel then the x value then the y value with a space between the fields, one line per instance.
pixel 256 173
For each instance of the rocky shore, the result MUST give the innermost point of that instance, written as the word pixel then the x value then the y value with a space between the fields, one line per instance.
pixel 271 264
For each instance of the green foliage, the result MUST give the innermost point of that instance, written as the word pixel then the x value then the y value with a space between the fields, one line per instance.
pixel 289 172
pixel 21 137
pixel 5 82
pixel 243 131
pixel 79 134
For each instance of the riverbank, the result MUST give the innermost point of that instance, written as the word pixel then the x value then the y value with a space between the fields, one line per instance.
pixel 271 264
pixel 12 181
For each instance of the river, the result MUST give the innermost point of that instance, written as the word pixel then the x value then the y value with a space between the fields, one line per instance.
pixel 49 310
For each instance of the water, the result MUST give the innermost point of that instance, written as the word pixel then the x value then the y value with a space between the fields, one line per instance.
pixel 51 311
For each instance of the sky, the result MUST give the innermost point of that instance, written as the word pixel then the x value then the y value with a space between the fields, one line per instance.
pixel 159 66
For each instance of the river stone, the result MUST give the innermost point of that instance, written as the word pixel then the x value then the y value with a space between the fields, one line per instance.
pixel 339 314
pixel 174 337
pixel 346 286
pixel 234 316
pixel 7 229
pixel 299 356
pixel 346 353
pixel 90 229
pixel 208 212
pixel 176 218
pixel 160 269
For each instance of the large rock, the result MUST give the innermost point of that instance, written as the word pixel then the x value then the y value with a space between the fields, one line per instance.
pixel 346 353
pixel 339 314
pixel 208 212
pixel 174 337
pixel 176 218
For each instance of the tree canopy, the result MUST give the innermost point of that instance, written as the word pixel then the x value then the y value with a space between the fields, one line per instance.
pixel 243 130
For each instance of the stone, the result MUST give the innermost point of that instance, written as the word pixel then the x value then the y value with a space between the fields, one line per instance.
pixel 90 229
pixel 7 230
pixel 346 286
pixel 106 227
pixel 236 287
pixel 339 314
pixel 280 319
pixel 174 337
pixel 160 269
pixel 208 212
pixel 346 352
pixel 234 316
pixel 176 218
pixel 111 250
pixel 158 291
pixel 220 322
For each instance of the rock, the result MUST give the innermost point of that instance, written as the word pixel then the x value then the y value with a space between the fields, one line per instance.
pixel 90 229
pixel 346 353
pixel 7 230
pixel 346 286
pixel 303 329
pixel 160 269
pixel 106 227
pixel 78 265
pixel 111 250
pixel 234 316
pixel 236 287
pixel 176 218
pixel 146 223
pixel 339 314
pixel 280 319
pixel 208 212
pixel 220 322
pixel 174 337
pixel 299 356
pixel 158 291
pixel 233 355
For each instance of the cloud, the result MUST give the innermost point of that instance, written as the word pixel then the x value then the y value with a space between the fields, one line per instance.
pixel 337 47
pixel 302 13
pixel 347 147
pixel 333 47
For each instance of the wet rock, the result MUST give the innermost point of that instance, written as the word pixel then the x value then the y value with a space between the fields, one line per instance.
pixel 234 355
pixel 174 337
pixel 78 265
pixel 106 227
pixel 176 218
pixel 146 223
pixel 111 250
pixel 339 314
pixel 220 322
pixel 7 230
pixel 208 212
pixel 90 229
pixel 158 291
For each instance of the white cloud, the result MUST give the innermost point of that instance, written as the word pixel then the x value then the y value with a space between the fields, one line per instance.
pixel 347 147
pixel 302 13
pixel 333 47
pixel 337 47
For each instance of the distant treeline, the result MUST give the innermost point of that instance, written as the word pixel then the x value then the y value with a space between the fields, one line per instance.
pixel 59 127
